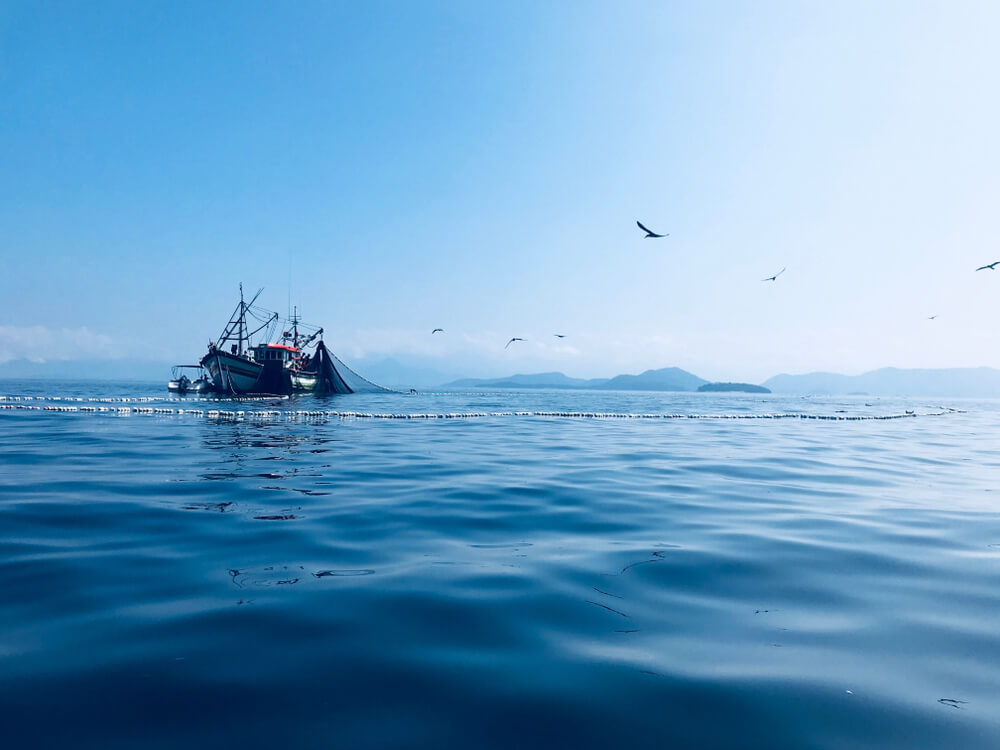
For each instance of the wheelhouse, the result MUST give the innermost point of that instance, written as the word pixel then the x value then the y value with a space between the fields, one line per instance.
pixel 275 353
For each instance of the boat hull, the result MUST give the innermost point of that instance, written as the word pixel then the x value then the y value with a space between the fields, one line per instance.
pixel 237 375
pixel 231 373
pixel 304 381
pixel 201 386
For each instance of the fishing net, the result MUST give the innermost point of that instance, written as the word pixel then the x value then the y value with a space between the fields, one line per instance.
pixel 337 377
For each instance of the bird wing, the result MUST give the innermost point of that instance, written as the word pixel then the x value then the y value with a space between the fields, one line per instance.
pixel 779 273
pixel 649 232
pixel 510 342
pixel 983 268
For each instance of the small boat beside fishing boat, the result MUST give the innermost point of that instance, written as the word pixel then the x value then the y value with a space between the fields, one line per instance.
pixel 181 384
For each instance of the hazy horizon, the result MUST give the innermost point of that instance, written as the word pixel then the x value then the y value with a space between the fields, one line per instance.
pixel 429 372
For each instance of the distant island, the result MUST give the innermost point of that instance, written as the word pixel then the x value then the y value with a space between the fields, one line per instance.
pixel 732 388
pixel 666 379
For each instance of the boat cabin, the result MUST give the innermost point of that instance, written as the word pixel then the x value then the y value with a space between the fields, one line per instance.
pixel 275 352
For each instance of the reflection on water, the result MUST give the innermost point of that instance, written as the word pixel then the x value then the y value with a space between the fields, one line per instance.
pixel 503 582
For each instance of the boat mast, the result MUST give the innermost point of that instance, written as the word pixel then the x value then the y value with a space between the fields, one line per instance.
pixel 243 318
pixel 237 327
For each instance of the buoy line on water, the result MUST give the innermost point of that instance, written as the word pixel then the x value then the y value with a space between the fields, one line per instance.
pixel 17 403
pixel 142 399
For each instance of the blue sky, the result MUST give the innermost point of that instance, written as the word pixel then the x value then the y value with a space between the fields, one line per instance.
pixel 480 168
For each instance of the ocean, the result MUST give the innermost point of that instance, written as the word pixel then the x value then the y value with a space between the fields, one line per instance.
pixel 497 569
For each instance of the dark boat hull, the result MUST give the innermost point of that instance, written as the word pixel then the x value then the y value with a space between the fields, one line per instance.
pixel 231 373
pixel 239 376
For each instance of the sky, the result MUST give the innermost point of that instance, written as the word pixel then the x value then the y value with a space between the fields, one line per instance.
pixel 394 167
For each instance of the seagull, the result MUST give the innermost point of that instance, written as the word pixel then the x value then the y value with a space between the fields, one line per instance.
pixel 559 335
pixel 436 330
pixel 775 277
pixel 512 341
pixel 992 266
pixel 648 232
pixel 932 317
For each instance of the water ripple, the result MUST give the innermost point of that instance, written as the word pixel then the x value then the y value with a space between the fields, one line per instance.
pixel 322 572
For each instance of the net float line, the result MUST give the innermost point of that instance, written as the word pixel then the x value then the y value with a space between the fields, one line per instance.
pixel 314 414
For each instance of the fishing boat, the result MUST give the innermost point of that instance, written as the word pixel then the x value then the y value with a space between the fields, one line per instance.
pixel 249 358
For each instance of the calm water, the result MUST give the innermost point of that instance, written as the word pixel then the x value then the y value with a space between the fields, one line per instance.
pixel 508 581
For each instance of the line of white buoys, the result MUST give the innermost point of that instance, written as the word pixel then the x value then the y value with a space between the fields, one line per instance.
pixel 142 399
pixel 16 402
pixel 301 414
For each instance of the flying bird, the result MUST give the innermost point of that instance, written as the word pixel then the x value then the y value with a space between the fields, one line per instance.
pixel 512 341
pixel 932 317
pixel 559 335
pixel 775 277
pixel 992 266
pixel 436 330
pixel 649 233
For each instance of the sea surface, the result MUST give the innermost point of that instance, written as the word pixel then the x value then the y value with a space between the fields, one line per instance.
pixel 325 572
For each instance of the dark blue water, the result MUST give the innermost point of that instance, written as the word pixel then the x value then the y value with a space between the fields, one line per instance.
pixel 174 580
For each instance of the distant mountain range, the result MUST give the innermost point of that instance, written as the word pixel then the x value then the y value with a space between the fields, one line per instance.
pixel 667 379
pixel 972 382
pixel 978 382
